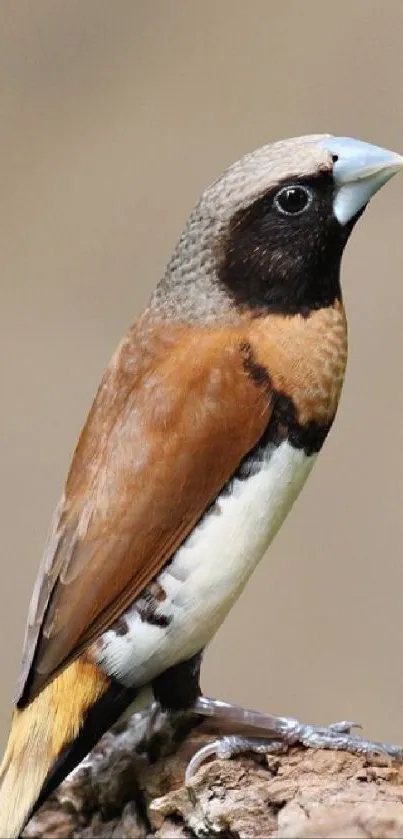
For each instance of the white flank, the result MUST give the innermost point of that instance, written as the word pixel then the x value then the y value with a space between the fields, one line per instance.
pixel 209 571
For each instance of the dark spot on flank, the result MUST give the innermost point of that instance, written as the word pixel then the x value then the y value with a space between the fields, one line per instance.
pixel 157 592
pixel 148 616
pixel 148 605
pixel 120 626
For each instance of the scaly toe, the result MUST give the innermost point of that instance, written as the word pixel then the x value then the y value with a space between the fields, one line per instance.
pixel 335 738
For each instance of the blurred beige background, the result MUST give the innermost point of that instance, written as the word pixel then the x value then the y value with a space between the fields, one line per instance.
pixel 114 116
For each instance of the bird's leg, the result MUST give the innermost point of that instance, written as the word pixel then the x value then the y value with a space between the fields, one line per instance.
pixel 276 734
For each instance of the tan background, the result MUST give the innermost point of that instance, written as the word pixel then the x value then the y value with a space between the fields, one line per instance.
pixel 114 116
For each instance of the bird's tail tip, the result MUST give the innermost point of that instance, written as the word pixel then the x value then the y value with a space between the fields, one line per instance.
pixel 39 735
pixel 21 779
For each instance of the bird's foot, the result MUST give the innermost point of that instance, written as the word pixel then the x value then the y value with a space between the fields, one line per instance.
pixel 277 734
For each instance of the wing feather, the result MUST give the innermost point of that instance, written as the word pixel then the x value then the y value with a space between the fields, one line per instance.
pixel 174 415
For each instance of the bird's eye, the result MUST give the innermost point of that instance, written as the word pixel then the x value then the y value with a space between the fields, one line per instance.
pixel 293 200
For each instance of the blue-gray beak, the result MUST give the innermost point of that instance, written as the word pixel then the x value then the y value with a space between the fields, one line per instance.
pixel 359 171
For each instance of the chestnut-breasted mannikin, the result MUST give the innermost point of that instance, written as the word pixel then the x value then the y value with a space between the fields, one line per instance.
pixel 203 431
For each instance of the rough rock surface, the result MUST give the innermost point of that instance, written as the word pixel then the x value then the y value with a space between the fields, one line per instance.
pixel 132 786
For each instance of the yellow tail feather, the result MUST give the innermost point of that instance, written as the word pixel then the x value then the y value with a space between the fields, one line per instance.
pixel 38 735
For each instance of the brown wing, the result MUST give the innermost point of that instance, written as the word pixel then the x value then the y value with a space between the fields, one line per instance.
pixel 175 413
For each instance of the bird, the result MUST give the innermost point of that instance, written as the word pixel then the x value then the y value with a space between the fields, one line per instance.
pixel 204 429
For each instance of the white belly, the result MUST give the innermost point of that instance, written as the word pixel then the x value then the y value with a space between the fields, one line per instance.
pixel 209 571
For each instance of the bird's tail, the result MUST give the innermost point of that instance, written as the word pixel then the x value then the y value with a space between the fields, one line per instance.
pixel 51 735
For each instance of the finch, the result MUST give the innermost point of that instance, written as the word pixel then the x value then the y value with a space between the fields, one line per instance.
pixel 206 425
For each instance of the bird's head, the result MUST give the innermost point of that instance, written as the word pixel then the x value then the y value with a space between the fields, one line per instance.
pixel 269 233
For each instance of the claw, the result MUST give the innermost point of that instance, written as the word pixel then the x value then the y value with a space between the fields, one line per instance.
pixel 344 726
pixel 211 750
pixel 228 747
